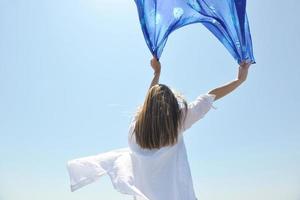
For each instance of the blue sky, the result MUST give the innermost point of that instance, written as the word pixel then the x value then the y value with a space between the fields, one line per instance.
pixel 73 72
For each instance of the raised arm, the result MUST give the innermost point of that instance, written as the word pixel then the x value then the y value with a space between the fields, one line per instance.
pixel 155 64
pixel 229 87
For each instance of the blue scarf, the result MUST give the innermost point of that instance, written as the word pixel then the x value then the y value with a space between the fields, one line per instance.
pixel 226 19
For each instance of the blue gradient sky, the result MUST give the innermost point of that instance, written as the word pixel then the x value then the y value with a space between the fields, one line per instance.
pixel 72 72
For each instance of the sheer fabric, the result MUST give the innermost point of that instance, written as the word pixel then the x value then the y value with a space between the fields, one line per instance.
pixel 160 174
pixel 226 19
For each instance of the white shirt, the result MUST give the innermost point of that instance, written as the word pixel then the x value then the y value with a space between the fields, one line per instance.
pixel 162 174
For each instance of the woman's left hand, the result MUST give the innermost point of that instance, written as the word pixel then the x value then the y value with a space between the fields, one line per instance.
pixel 155 64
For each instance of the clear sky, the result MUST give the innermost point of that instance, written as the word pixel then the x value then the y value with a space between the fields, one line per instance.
pixel 72 72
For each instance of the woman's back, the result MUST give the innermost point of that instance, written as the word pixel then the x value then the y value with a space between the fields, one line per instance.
pixel 155 166
pixel 164 173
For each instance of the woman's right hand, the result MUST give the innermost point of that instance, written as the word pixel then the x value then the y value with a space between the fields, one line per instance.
pixel 243 71
pixel 229 87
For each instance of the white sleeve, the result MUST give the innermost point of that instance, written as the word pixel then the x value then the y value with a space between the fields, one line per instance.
pixel 132 125
pixel 197 109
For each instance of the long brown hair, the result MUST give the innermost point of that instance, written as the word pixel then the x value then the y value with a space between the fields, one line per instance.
pixel 160 117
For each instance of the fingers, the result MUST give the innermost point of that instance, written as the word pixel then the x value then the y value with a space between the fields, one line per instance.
pixel 154 61
pixel 155 58
pixel 155 64
pixel 244 64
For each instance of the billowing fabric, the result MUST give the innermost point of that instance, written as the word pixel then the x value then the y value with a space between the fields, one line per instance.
pixel 160 174
pixel 226 19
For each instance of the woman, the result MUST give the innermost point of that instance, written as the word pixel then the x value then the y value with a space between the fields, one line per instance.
pixel 155 166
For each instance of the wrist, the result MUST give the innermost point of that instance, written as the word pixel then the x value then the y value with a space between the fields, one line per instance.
pixel 157 72
pixel 238 81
